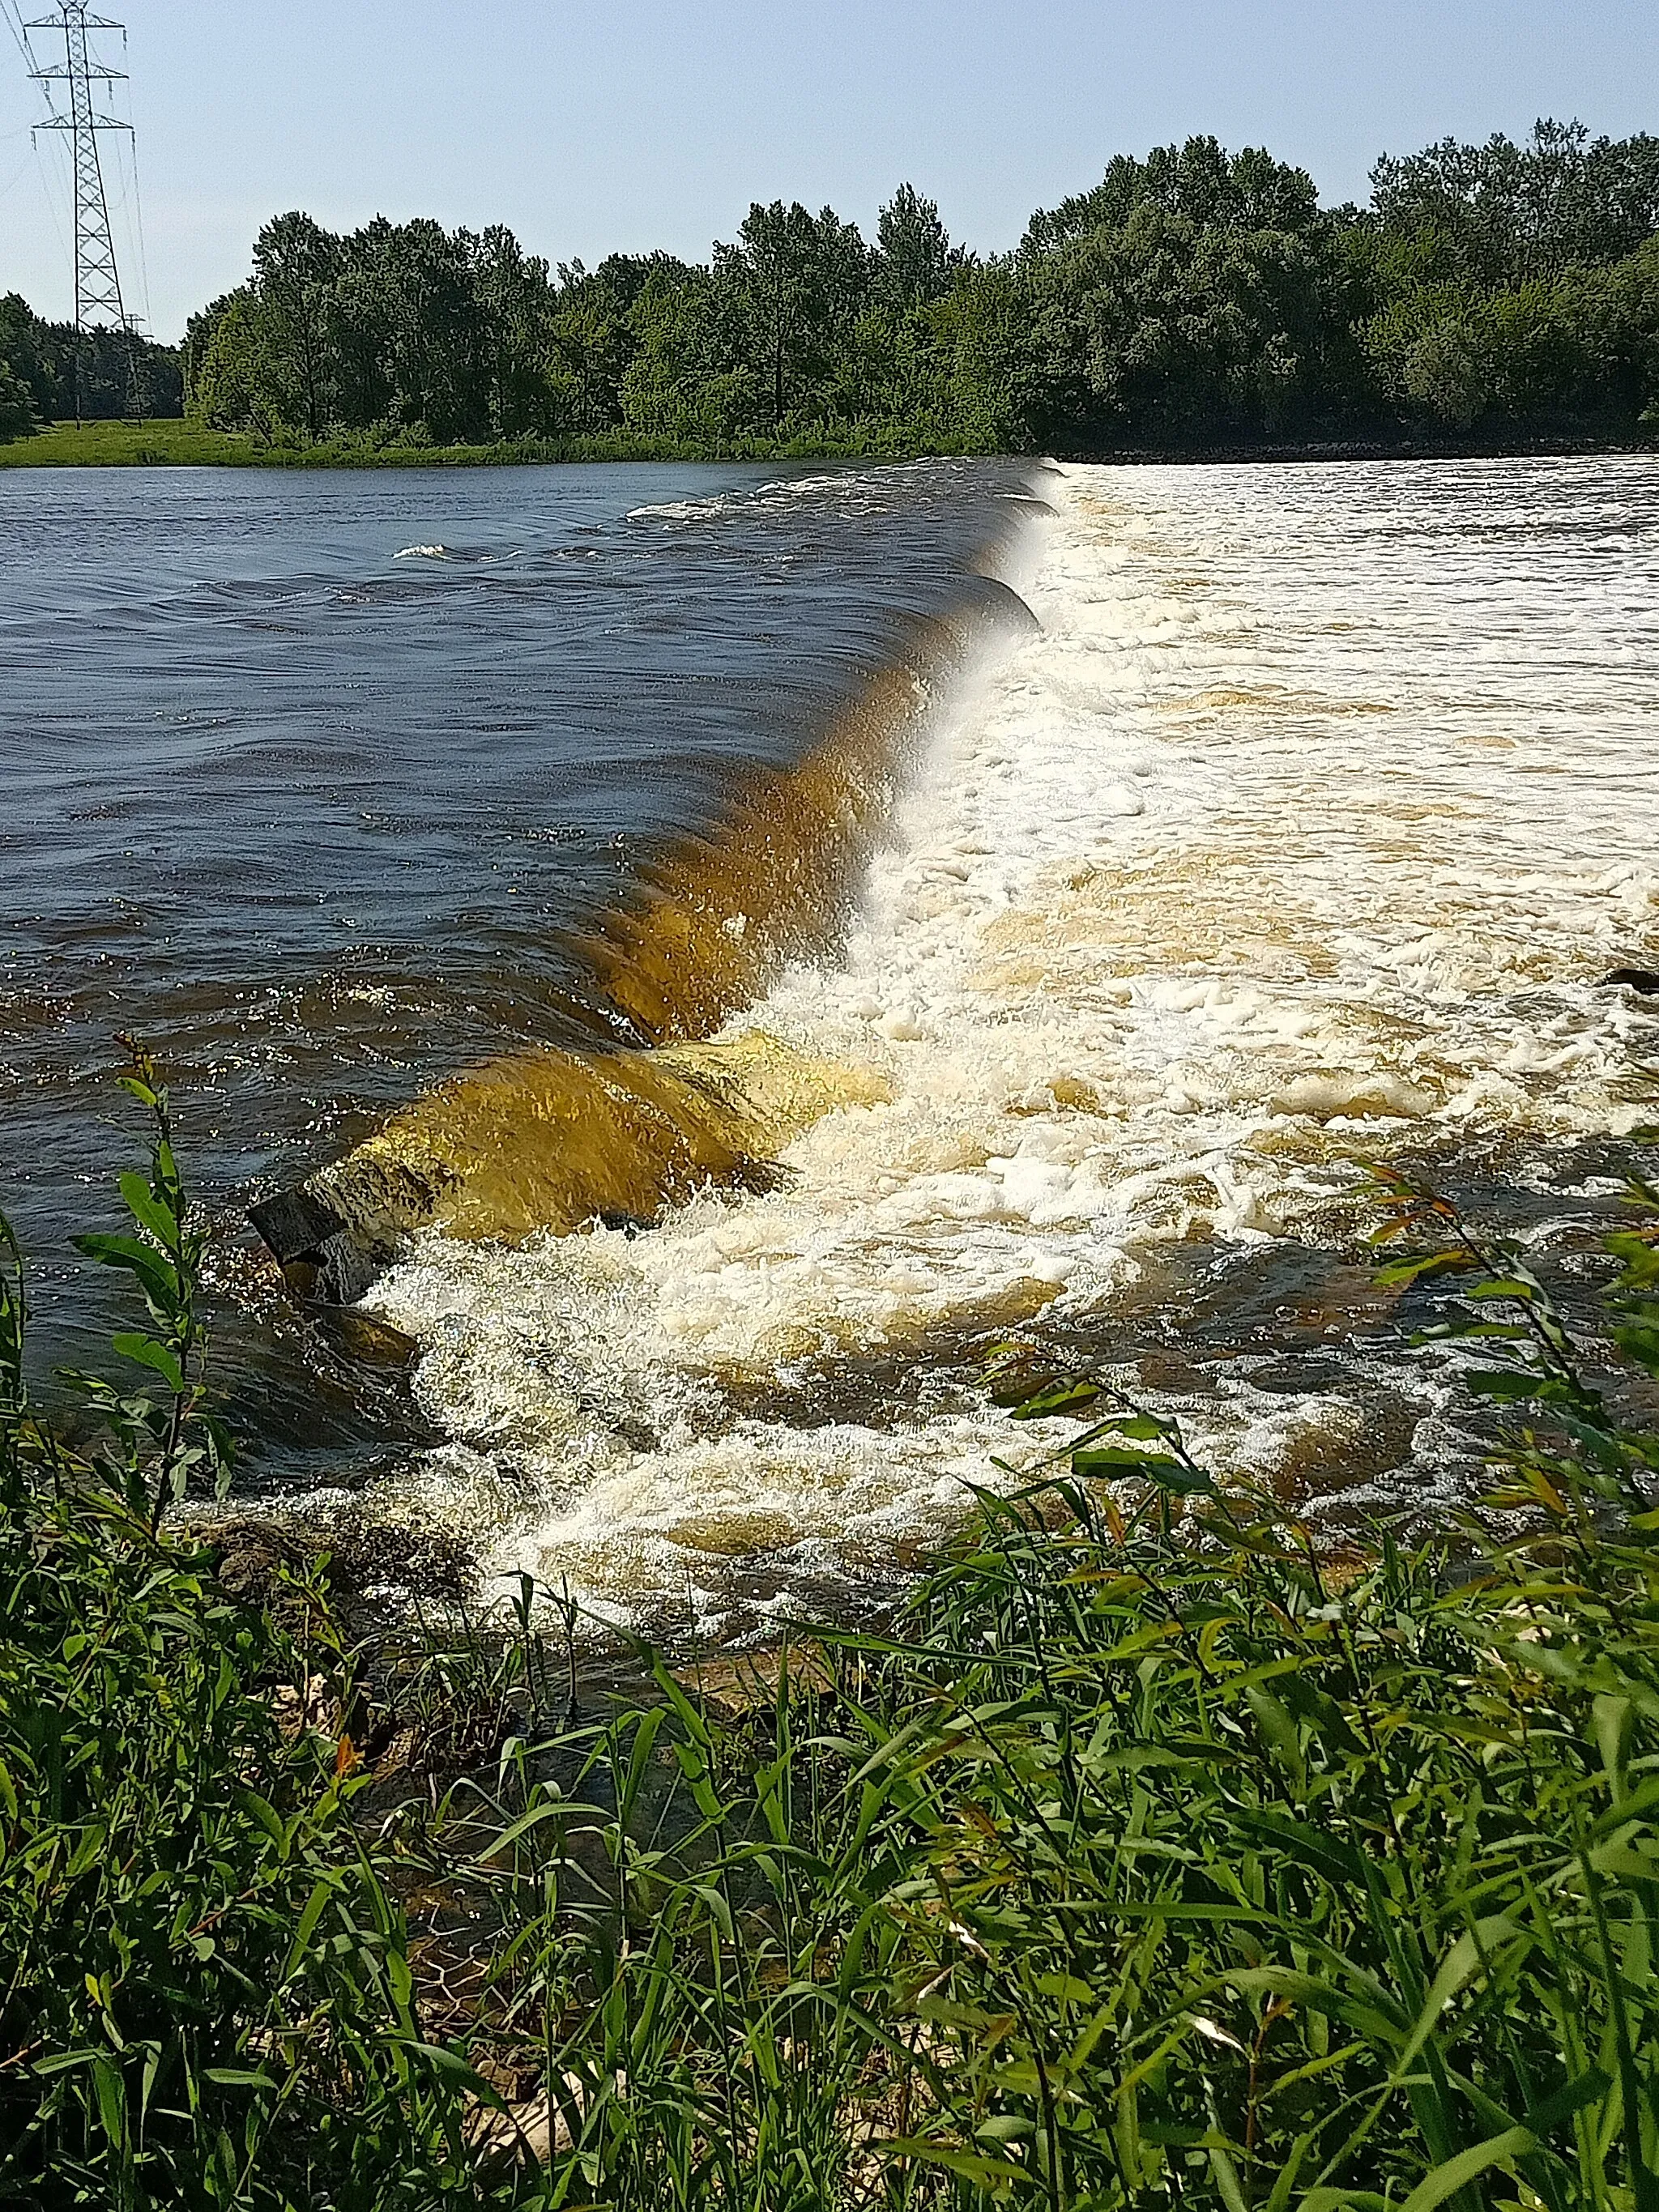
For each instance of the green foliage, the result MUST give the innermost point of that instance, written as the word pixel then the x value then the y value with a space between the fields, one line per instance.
pixel 204 1981
pixel 1579 348
pixel 1193 300
pixel 1152 1861
pixel 1200 183
pixel 56 365
pixel 16 406
pixel 1502 213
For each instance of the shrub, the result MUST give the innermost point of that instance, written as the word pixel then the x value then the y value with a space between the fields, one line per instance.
pixel 205 1996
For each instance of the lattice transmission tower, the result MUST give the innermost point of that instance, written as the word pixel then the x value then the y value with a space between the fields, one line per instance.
pixel 98 301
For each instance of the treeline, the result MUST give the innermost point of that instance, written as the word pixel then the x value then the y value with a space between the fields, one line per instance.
pixel 1195 300
pixel 1192 300
pixel 49 373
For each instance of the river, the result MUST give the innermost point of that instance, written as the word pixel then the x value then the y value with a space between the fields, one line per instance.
pixel 1093 951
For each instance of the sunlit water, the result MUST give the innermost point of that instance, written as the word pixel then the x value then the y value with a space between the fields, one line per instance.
pixel 318 783
pixel 1301 834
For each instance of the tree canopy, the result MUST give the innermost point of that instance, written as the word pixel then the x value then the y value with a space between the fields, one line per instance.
pixel 45 367
pixel 1194 299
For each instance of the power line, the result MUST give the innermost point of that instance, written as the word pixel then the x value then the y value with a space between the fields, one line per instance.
pixel 14 25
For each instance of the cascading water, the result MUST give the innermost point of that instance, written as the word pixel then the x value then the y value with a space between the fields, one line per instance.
pixel 1056 979
pixel 1302 833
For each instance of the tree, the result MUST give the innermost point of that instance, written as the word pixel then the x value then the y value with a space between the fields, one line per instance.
pixel 1200 182
pixel 1502 210
pixel 296 265
pixel 17 417
pixel 916 263
pixel 789 291
pixel 1196 297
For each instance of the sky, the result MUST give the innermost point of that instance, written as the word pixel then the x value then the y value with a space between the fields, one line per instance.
pixel 592 126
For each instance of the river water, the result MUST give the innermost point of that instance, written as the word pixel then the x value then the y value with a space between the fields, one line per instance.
pixel 1069 970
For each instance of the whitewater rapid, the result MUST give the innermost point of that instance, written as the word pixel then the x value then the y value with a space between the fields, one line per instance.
pixel 1300 834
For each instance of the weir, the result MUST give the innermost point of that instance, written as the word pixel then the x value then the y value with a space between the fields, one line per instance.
pixel 550 1141
pixel 1222 885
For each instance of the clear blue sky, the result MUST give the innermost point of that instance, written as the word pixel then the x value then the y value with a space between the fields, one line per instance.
pixel 591 125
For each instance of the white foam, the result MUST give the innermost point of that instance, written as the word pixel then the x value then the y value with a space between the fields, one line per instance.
pixel 1306 821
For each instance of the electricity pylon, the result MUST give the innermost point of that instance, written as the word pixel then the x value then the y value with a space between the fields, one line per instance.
pixel 98 301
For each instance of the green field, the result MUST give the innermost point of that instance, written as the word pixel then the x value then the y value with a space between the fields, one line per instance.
pixel 157 444
pixel 168 442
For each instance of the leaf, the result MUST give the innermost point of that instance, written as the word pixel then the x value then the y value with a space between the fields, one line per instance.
pixel 315 1904
pixel 1064 1397
pixel 1448 2179
pixel 145 1351
pixel 62 2062
pixel 991 2173
pixel 1279 1732
pixel 1506 1384
pixel 1152 1467
pixel 154 1272
pixel 1468 1956
pixel 451 2062
pixel 112 2099
pixel 1145 1426
pixel 1400 1271
pixel 1588 2088
pixel 1066 1988
pixel 148 1210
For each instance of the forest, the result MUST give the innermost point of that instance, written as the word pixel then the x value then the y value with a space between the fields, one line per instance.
pixel 50 373
pixel 1193 300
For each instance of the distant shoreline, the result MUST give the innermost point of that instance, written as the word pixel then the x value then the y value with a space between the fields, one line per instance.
pixel 171 442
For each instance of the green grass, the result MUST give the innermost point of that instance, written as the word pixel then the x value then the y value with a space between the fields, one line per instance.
pixel 169 443
pixel 1147 1865
pixel 165 443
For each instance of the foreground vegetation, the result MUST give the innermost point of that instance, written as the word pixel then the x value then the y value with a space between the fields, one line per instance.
pixel 1193 302
pixel 1149 1862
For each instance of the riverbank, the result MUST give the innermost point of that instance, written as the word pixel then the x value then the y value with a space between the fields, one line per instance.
pixel 168 442
pixel 1150 1859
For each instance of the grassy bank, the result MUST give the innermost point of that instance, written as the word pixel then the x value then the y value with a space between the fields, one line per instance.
pixel 1147 1861
pixel 173 444
pixel 164 443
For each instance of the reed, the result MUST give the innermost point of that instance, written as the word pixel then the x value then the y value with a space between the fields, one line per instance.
pixel 1147 1861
